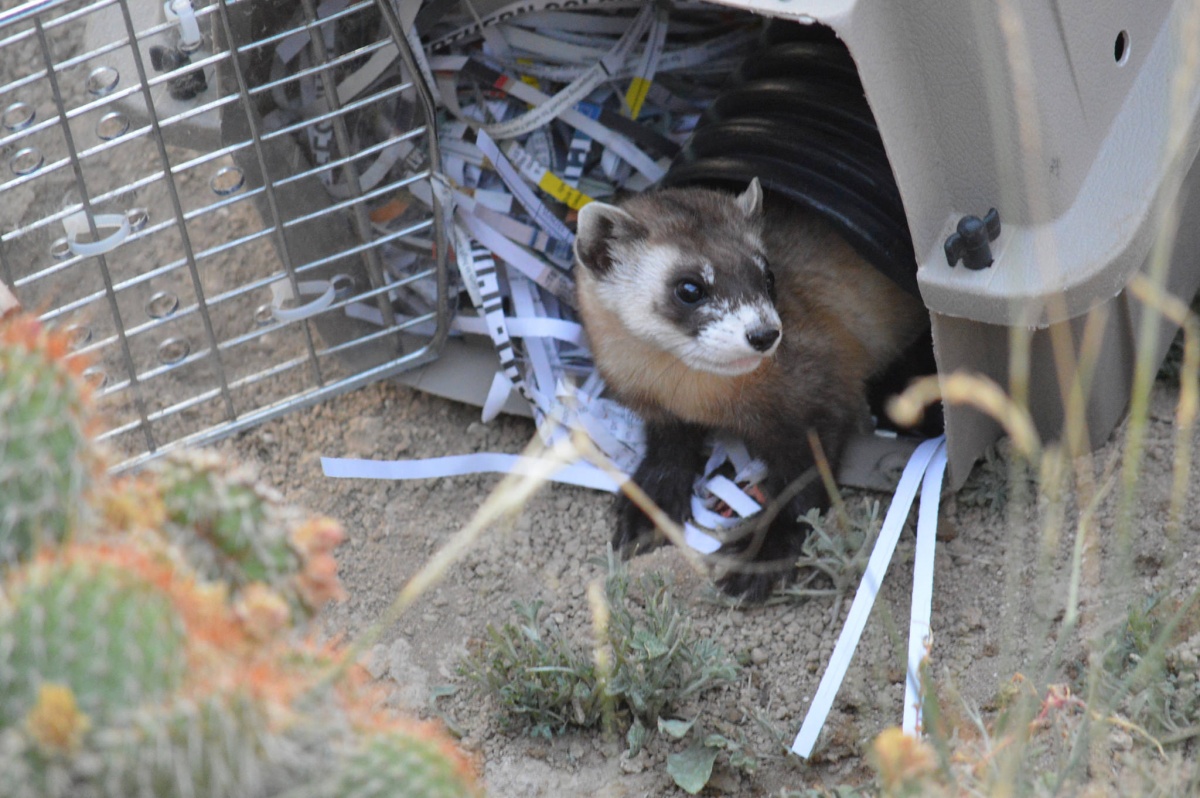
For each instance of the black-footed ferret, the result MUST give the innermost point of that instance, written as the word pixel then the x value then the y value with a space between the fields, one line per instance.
pixel 707 312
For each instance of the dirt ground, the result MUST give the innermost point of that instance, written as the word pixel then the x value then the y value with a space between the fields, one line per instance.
pixel 999 594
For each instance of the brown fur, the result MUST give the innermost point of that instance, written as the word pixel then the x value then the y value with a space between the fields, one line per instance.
pixel 842 323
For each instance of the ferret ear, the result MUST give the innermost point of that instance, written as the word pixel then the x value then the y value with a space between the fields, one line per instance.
pixel 751 200
pixel 598 224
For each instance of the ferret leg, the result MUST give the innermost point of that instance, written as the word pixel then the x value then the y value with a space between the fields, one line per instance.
pixel 674 458
pixel 768 555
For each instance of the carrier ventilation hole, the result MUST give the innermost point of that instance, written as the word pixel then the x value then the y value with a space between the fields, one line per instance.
pixel 1121 48
pixel 112 125
pixel 102 80
pixel 96 377
pixel 26 161
pixel 173 350
pixel 161 305
pixel 227 180
pixel 18 116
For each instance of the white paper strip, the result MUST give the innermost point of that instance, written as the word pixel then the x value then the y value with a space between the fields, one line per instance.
pixel 522 192
pixel 584 475
pixel 922 598
pixel 577 117
pixel 560 329
pixel 497 395
pixel 727 491
pixel 520 259
pixel 864 598
pixel 520 7
pixel 700 541
pixel 541 381
pixel 709 519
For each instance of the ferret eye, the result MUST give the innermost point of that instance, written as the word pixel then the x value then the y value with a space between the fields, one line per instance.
pixel 770 283
pixel 689 292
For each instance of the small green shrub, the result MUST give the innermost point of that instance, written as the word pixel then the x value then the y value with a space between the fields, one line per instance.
pixel 1152 669
pixel 836 552
pixel 652 663
pixel 543 682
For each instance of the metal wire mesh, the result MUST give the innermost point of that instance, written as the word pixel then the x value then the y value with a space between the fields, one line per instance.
pixel 164 200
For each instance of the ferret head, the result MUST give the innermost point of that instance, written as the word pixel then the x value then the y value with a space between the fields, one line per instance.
pixel 684 270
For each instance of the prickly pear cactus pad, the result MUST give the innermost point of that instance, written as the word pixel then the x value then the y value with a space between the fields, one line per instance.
pixel 46 462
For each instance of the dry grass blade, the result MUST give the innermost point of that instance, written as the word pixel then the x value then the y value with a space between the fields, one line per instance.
pixel 1189 389
pixel 977 391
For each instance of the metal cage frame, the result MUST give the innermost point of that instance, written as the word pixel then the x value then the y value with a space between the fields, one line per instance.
pixel 313 236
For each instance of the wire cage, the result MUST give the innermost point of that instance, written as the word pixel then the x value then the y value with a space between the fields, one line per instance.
pixel 217 200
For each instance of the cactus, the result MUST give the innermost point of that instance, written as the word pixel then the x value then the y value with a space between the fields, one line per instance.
pixel 231 525
pixel 149 625
pixel 101 630
pixel 46 465
pixel 233 529
pixel 219 746
pixel 414 761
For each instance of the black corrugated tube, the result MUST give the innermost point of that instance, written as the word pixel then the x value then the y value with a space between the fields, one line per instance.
pixel 795 116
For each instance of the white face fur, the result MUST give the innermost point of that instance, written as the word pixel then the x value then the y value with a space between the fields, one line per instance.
pixel 649 279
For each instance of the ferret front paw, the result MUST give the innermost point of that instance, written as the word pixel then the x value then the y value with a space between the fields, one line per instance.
pixel 756 567
pixel 636 533
pixel 671 490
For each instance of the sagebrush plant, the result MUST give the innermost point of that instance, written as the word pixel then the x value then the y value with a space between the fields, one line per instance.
pixel 540 681
pixel 1152 668
pixel 989 485
pixel 648 666
pixel 545 682
pixel 836 551
pixel 155 631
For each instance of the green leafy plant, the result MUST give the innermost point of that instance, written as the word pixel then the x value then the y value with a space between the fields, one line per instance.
pixel 544 683
pixel 653 664
pixel 836 551
pixel 1152 669
pixel 541 683
pixel 989 487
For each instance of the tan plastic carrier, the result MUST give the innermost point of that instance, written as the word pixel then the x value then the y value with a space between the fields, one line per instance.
pixel 1077 121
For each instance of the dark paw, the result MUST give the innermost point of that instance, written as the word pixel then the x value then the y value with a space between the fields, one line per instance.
pixel 758 564
pixel 636 533
pixel 752 588
pixel 671 490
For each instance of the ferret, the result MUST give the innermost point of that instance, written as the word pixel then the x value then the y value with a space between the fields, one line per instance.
pixel 708 312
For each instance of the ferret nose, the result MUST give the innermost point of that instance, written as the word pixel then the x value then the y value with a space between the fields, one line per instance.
pixel 763 339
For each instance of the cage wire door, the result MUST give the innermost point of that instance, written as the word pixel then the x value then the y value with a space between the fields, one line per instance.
pixel 227 204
